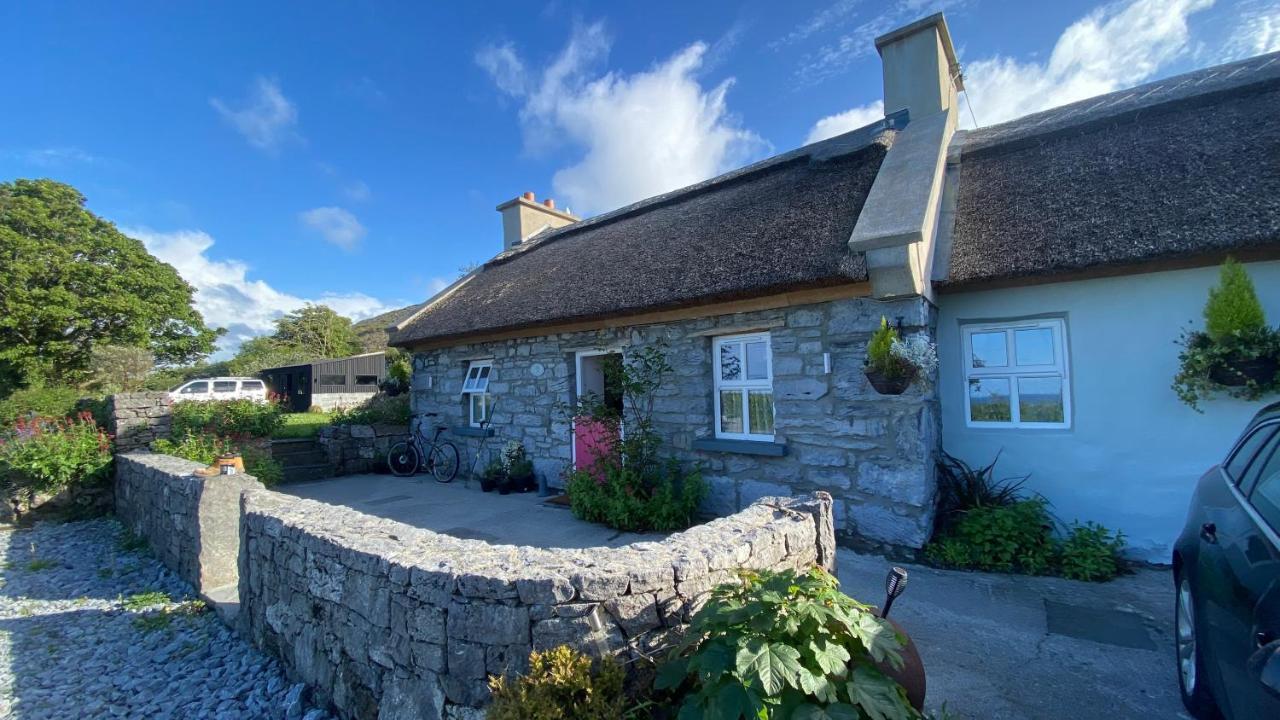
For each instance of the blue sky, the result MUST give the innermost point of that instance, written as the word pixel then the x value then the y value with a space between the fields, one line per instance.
pixel 353 153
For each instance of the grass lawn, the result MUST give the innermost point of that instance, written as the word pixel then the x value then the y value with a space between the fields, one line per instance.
pixel 301 425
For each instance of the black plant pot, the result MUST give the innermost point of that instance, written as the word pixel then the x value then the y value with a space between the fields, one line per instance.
pixel 523 484
pixel 487 484
pixel 1237 372
pixel 504 486
pixel 886 385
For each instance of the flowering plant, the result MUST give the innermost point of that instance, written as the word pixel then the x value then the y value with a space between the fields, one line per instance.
pixel 47 455
pixel 917 351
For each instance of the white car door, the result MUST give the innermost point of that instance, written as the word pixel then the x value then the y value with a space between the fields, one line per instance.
pixel 195 390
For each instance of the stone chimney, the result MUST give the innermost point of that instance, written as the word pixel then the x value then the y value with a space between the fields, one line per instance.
pixel 524 217
pixel 921 74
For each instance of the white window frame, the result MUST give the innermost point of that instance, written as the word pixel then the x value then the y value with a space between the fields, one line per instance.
pixel 476 383
pixel 1060 368
pixel 742 384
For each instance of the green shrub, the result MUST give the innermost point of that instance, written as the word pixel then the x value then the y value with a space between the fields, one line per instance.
pixel 1014 538
pixel 561 684
pixel 1201 355
pixel 880 355
pixel 51 402
pixel 1091 552
pixel 787 645
pixel 381 409
pixel 962 487
pixel 227 418
pixel 49 455
pixel 632 499
pixel 1233 306
pixel 206 447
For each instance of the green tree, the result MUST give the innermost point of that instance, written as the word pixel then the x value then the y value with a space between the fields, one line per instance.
pixel 319 331
pixel 116 368
pixel 1233 306
pixel 70 280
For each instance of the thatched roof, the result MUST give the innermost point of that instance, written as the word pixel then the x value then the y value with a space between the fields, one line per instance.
pixel 1184 168
pixel 777 225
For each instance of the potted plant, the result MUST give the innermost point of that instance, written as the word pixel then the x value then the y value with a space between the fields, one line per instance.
pixel 1237 351
pixel 493 476
pixel 893 363
pixel 518 467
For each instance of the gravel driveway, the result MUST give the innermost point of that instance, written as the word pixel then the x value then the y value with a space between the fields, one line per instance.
pixel 90 628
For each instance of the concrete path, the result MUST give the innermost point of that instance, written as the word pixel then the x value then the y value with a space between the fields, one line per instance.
pixel 460 509
pixel 1020 648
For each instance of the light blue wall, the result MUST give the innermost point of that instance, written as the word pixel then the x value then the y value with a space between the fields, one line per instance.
pixel 1134 451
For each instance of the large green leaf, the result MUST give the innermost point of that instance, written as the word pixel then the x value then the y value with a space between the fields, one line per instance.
pixel 733 702
pixel 836 711
pixel 772 665
pixel 671 674
pixel 833 658
pixel 714 659
pixel 879 697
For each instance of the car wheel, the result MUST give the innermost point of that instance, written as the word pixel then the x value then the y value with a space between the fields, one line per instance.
pixel 1191 677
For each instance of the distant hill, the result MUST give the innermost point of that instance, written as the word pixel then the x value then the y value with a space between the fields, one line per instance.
pixel 373 331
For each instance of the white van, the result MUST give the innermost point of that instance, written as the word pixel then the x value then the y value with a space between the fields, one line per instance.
pixel 221 388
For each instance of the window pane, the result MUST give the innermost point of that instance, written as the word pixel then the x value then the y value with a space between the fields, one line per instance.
pixel 366 379
pixel 1266 494
pixel 731 361
pixel 1034 346
pixel 760 412
pixel 479 407
pixel 333 379
pixel 757 360
pixel 225 386
pixel 1040 399
pixel 731 411
pixel 989 349
pixel 200 387
pixel 484 372
pixel 989 400
pixel 1239 462
pixel 251 385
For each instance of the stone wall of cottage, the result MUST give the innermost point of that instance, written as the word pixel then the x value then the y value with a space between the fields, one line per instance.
pixel 874 453
pixel 390 621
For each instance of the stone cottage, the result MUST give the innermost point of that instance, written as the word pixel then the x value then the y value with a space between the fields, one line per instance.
pixel 755 268
pixel 1054 258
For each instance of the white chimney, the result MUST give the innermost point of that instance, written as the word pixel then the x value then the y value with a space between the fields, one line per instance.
pixel 524 217
pixel 921 74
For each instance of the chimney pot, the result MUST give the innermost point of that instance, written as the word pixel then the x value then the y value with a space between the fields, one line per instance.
pixel 550 202
pixel 529 195
pixel 524 217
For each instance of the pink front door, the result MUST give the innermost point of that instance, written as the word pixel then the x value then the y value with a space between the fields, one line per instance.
pixel 593 440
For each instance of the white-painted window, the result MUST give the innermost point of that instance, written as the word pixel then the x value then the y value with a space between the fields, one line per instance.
pixel 743 386
pixel 476 391
pixel 1016 374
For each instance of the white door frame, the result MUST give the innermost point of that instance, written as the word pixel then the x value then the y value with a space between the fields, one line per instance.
pixel 577 381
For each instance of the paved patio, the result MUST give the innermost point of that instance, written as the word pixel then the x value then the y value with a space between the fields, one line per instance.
pixel 460 509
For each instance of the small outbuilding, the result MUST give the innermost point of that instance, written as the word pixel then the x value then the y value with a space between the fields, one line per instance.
pixel 328 384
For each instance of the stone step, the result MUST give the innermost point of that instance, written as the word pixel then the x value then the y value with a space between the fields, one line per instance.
pixel 302 459
pixel 293 446
pixel 303 473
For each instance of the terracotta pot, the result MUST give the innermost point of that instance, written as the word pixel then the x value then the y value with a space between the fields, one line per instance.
pixel 911 675
pixel 1236 373
pixel 889 385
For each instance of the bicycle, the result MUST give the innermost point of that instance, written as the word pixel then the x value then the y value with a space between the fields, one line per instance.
pixel 436 456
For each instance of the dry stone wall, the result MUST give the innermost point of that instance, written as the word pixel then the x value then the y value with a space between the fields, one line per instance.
pixel 191 523
pixel 138 418
pixel 353 449
pixel 389 621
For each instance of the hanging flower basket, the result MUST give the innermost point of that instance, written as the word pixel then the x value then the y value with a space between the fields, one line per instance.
pixel 889 384
pixel 1240 372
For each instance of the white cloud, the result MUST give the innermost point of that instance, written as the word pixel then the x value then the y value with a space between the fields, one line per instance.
pixel 227 297
pixel 1257 32
pixel 840 123
pixel 266 119
pixel 56 156
pixel 336 225
pixel 357 190
pixel 1113 47
pixel 640 135
pixel 858 31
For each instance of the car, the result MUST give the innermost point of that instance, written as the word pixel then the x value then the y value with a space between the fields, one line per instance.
pixel 221 388
pixel 1226 570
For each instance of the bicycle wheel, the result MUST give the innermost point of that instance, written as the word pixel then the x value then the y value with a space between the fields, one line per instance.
pixel 444 461
pixel 403 459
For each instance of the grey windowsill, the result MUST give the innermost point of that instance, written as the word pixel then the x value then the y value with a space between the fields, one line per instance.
pixel 741 447
pixel 468 431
